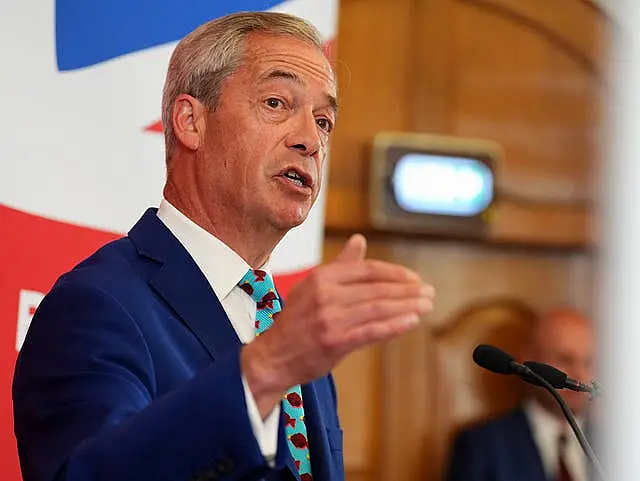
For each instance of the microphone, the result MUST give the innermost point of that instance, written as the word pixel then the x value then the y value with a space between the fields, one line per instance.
pixel 556 377
pixel 498 361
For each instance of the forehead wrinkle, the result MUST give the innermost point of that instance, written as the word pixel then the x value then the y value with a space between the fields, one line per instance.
pixel 282 74
pixel 262 48
pixel 288 59
pixel 288 70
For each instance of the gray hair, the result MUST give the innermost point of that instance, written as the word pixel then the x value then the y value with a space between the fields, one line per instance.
pixel 207 56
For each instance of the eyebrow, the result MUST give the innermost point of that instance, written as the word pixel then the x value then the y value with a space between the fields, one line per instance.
pixel 283 74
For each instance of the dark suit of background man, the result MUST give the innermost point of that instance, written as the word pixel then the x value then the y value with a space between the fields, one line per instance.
pixel 534 442
pixel 141 363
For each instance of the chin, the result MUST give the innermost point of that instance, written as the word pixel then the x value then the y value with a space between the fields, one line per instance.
pixel 576 405
pixel 289 219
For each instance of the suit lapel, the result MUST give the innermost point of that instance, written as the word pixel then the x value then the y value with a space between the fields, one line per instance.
pixel 319 449
pixel 523 438
pixel 182 285
pixel 184 288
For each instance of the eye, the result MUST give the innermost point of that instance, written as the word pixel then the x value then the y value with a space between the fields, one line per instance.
pixel 324 124
pixel 274 103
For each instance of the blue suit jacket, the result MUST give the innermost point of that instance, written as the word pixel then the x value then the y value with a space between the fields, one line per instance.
pixel 502 449
pixel 130 371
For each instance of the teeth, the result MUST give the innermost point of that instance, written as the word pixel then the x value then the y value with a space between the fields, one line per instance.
pixel 297 182
pixel 294 177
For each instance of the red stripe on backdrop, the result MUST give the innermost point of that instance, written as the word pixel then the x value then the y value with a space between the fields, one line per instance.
pixel 284 282
pixel 34 252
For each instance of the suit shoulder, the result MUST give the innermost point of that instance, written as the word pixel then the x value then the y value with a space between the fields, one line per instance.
pixel 493 426
pixel 111 265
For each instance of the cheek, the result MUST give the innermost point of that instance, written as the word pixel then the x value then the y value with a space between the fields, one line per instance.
pixel 322 159
pixel 319 166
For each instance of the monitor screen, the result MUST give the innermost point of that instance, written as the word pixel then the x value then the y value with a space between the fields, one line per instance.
pixel 425 183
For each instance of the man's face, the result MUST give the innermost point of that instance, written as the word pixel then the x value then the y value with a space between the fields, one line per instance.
pixel 568 343
pixel 266 142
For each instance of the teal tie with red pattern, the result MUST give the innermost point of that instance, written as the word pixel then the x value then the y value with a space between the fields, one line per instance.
pixel 259 285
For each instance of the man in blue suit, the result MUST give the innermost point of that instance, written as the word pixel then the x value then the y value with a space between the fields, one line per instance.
pixel 142 363
pixel 534 442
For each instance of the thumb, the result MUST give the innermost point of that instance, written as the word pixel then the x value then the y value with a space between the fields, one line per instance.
pixel 354 250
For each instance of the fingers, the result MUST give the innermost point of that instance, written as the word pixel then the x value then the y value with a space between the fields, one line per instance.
pixel 383 309
pixel 348 304
pixel 363 271
pixel 351 294
pixel 371 333
pixel 354 250
pixel 350 266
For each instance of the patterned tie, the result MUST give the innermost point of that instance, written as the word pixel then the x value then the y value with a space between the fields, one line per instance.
pixel 259 285
pixel 563 471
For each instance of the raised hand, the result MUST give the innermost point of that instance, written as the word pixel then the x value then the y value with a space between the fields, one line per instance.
pixel 342 306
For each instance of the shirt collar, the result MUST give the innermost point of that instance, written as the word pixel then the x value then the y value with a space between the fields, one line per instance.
pixel 545 423
pixel 220 264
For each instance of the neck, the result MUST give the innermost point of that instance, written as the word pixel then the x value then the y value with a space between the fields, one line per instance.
pixel 253 243
pixel 552 408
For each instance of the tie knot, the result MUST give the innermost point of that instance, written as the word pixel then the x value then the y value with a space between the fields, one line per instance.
pixel 259 285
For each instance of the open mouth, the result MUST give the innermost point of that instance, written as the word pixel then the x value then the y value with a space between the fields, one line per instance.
pixel 297 178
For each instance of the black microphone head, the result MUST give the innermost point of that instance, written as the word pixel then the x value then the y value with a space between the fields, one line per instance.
pixel 493 359
pixel 553 376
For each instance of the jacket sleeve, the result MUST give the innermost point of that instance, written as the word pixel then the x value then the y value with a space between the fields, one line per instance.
pixel 86 409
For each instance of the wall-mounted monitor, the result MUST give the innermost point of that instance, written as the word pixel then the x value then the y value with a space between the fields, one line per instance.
pixel 432 184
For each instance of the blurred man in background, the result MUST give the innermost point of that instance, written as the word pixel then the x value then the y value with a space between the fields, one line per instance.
pixel 534 442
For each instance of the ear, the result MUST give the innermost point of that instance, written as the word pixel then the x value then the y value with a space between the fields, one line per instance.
pixel 189 121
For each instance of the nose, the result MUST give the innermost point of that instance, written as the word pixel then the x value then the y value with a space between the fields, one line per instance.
pixel 580 370
pixel 304 137
pixel 585 373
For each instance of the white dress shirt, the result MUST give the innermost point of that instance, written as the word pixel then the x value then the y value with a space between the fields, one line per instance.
pixel 546 429
pixel 224 268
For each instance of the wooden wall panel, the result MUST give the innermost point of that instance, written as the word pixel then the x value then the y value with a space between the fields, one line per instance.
pixel 538 105
pixel 388 394
pixel 359 402
pixel 373 72
pixel 543 108
pixel 434 62
pixel 412 443
pixel 576 23
pixel 525 73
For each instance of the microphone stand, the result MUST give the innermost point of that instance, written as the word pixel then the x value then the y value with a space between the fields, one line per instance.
pixel 572 422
